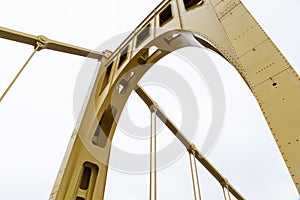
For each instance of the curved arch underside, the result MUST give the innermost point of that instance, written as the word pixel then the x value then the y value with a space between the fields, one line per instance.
pixel 224 26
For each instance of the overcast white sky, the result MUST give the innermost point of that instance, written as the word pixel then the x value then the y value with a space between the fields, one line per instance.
pixel 36 117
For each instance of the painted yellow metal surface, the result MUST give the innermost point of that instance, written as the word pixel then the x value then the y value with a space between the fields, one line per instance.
pixel 221 25
pixel 46 43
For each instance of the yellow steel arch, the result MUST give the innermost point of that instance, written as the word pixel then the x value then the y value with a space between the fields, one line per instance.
pixel 224 26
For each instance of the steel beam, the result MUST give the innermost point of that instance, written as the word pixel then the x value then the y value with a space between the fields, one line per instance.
pixel 29 39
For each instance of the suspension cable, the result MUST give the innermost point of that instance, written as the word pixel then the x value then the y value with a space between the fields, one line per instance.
pixel 193 179
pixel 225 185
pixel 38 46
pixel 153 166
pixel 151 152
pixel 197 177
pixel 194 172
pixel 228 193
pixel 225 198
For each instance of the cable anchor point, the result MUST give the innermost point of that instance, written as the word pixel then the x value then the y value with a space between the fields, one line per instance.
pixel 154 107
pixel 42 42
pixel 225 183
pixel 192 149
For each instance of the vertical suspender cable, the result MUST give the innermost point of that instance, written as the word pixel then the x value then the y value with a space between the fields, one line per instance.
pixel 19 73
pixel 225 185
pixel 228 192
pixel 225 198
pixel 153 166
pixel 155 150
pixel 195 177
pixel 151 153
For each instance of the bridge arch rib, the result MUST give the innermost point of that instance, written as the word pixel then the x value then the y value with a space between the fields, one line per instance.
pixel 224 26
